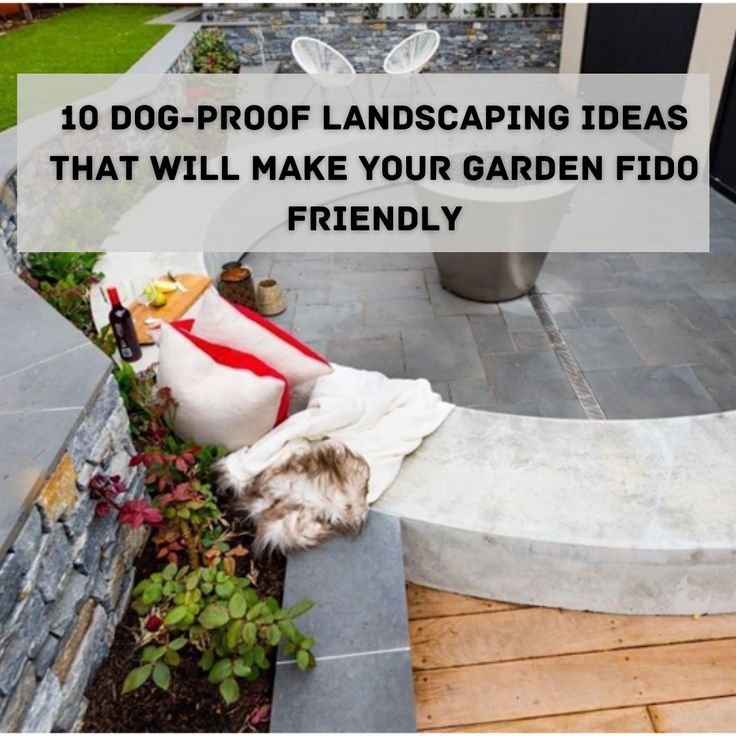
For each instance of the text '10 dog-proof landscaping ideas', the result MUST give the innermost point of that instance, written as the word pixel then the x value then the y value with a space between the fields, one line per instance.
pixel 425 162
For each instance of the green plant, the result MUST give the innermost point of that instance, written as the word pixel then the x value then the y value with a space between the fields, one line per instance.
pixel 446 9
pixel 64 281
pixel 211 53
pixel 192 520
pixel 371 10
pixel 71 299
pixel 147 406
pixel 218 614
pixel 528 10
pixel 414 10
pixel 53 267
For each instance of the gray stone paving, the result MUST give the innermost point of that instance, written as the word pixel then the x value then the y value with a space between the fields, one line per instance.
pixel 654 334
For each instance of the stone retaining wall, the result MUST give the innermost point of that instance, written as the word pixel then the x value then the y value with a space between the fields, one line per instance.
pixel 66 580
pixel 472 45
pixel 8 220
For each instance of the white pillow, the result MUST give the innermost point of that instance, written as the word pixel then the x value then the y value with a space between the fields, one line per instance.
pixel 218 320
pixel 224 396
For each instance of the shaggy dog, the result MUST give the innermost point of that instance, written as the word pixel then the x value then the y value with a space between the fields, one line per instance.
pixel 312 491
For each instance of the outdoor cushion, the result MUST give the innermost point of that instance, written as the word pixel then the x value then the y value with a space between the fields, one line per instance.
pixel 224 396
pixel 220 321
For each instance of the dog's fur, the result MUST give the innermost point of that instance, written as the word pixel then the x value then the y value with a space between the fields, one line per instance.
pixel 313 490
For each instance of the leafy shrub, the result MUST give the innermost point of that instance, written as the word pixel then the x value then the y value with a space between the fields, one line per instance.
pixel 446 9
pixel 414 10
pixel 53 267
pixel 219 615
pixel 147 406
pixel 202 605
pixel 211 53
pixel 64 281
pixel 372 10
pixel 192 521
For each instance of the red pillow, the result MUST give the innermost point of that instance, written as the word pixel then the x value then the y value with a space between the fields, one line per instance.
pixel 222 322
pixel 224 396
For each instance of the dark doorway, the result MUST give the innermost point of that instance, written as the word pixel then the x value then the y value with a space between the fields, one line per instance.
pixel 639 38
pixel 723 150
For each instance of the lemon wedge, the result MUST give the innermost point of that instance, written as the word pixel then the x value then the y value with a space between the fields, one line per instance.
pixel 165 286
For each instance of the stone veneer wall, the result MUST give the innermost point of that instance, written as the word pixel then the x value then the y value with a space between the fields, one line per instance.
pixel 8 225
pixel 472 45
pixel 66 580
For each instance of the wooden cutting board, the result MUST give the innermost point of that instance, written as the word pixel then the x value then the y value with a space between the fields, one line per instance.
pixel 177 304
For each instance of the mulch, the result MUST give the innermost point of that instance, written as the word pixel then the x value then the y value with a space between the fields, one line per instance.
pixel 192 704
pixel 40 12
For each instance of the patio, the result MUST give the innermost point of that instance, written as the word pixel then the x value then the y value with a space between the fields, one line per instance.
pixel 653 335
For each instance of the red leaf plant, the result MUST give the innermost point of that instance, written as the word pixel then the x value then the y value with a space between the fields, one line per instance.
pixel 105 489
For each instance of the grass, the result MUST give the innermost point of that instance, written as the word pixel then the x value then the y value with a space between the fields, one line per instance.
pixel 101 39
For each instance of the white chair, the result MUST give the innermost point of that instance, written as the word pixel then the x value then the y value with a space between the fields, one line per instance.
pixel 317 57
pixel 411 55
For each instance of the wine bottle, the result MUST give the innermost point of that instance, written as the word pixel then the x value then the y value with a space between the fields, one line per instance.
pixel 123 327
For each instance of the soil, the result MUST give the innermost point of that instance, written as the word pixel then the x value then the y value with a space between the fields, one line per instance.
pixel 192 704
pixel 40 12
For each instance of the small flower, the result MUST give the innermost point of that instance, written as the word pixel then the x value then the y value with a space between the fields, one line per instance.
pixel 153 623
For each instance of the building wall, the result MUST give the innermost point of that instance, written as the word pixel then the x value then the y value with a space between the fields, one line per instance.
pixel 573 38
pixel 712 46
pixel 469 45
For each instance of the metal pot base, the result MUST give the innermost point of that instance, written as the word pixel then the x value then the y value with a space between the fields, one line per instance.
pixel 489 277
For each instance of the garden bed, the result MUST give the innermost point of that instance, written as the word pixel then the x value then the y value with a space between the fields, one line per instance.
pixel 192 704
pixel 195 650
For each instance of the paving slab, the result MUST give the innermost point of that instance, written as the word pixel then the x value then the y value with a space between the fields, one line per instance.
pixel 637 393
pixel 441 348
pixel 363 678
pixel 719 381
pixel 530 342
pixel 382 261
pixel 703 318
pixel 526 377
pixel 563 273
pixel 36 330
pixel 491 334
pixel 473 393
pixel 63 381
pixel 319 321
pixel 661 335
pixel 561 306
pixel 351 286
pixel 370 694
pixel 721 296
pixel 396 310
pixel 519 315
pixel 383 354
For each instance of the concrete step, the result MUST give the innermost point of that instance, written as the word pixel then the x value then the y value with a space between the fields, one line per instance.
pixel 363 678
pixel 633 516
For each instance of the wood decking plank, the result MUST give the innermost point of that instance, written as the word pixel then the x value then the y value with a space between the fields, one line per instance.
pixel 712 715
pixel 429 603
pixel 618 720
pixel 454 641
pixel 572 683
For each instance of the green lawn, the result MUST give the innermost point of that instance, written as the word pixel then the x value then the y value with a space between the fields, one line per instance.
pixel 102 39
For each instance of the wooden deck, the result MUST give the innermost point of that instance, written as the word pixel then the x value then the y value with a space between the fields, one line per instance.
pixel 487 666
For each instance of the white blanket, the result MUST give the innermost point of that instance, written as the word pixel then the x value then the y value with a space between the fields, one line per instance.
pixel 380 418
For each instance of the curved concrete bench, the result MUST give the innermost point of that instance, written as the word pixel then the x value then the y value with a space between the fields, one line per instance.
pixel 631 516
